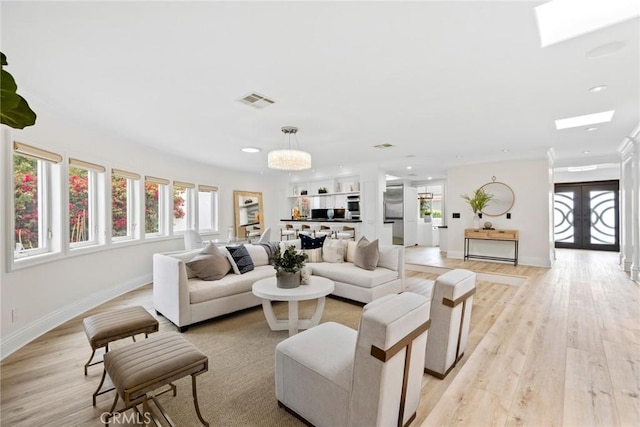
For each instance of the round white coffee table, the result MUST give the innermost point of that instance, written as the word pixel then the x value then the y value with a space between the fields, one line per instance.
pixel 268 291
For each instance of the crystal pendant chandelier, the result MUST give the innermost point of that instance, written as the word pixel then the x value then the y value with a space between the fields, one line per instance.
pixel 289 160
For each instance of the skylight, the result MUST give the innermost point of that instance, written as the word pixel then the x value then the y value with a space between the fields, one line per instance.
pixel 586 120
pixel 561 20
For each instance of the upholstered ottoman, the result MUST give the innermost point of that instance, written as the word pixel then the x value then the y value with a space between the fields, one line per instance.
pixel 104 328
pixel 142 367
pixel 450 317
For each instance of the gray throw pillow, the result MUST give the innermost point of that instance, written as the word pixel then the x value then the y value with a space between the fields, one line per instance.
pixel 366 255
pixel 209 264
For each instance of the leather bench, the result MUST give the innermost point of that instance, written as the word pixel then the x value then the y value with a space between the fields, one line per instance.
pixel 142 367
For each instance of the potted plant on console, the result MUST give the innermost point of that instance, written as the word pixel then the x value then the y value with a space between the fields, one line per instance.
pixel 478 202
pixel 288 265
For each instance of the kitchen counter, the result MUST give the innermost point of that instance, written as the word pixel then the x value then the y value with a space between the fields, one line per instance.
pixel 339 220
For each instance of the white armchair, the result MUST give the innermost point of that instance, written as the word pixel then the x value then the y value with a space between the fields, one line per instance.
pixel 451 315
pixel 266 235
pixel 332 375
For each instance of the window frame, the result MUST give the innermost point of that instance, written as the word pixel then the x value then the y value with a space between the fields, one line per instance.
pixel 163 207
pixel 133 203
pixel 95 204
pixel 213 212
pixel 47 166
pixel 189 207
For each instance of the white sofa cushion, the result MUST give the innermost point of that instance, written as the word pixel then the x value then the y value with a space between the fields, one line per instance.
pixel 332 251
pixel 388 257
pixel 346 272
pixel 258 254
pixel 231 284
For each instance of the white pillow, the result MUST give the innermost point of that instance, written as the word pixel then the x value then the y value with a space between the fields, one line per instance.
pixel 388 257
pixel 332 251
pixel 258 254
pixel 284 244
pixel 350 253
pixel 315 255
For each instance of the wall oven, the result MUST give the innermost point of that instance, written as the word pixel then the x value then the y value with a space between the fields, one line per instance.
pixel 353 205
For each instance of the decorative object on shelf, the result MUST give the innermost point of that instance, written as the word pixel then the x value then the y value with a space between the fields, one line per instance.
pixel 502 200
pixel 289 159
pixel 479 200
pixel 303 193
pixel 330 213
pixel 248 201
pixel 288 265
pixel 322 190
pixel 488 225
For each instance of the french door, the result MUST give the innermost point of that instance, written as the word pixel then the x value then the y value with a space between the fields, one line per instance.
pixel 586 216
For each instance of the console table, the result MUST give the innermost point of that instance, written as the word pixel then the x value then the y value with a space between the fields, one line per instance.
pixel 497 235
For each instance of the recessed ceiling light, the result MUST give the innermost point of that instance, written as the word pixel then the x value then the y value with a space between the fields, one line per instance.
pixel 586 152
pixel 598 88
pixel 458 156
pixel 409 167
pixel 429 178
pixel 505 150
pixel 251 149
pixel 591 129
pixel 606 49
pixel 588 119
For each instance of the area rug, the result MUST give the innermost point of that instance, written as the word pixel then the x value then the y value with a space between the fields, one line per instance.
pixel 239 388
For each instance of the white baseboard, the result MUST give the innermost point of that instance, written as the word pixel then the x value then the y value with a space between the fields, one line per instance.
pixel 23 336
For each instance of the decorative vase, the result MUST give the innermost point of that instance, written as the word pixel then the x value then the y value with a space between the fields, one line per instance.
pixel 305 275
pixel 476 221
pixel 288 279
pixel 231 235
pixel 330 213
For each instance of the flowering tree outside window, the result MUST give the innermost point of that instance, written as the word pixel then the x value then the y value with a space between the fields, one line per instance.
pixel 78 205
pixel 26 201
pixel 119 206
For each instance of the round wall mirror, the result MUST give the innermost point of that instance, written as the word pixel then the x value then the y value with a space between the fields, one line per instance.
pixel 502 200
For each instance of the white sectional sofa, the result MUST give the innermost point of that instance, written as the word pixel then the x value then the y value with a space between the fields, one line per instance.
pixel 186 301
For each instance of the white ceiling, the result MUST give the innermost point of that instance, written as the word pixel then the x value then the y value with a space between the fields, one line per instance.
pixel 436 79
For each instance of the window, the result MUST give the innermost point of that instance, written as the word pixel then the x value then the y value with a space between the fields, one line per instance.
pixel 207 208
pixel 84 203
pixel 124 201
pixel 33 215
pixel 182 213
pixel 155 206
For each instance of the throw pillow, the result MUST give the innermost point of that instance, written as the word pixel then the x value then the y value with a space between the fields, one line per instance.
pixel 209 264
pixel 258 254
pixel 312 243
pixel 315 255
pixel 388 257
pixel 366 255
pixel 241 260
pixel 333 251
pixel 351 251
pixel 286 243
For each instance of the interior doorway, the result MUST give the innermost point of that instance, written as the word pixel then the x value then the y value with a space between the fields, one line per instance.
pixel 586 215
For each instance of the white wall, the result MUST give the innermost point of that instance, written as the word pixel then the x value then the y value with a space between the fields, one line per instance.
pixel 530 181
pixel 38 298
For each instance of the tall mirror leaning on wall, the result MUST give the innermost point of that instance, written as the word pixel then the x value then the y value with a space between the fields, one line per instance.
pixel 248 214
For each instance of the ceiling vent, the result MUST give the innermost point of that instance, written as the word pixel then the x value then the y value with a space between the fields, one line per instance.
pixel 383 146
pixel 256 100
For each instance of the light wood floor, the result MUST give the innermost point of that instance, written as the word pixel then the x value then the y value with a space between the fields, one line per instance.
pixel 561 349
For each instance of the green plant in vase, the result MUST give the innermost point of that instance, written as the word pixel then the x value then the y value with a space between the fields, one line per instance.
pixel 477 202
pixel 288 265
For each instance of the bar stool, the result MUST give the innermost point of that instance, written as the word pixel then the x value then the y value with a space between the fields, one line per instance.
pixel 346 233
pixel 287 231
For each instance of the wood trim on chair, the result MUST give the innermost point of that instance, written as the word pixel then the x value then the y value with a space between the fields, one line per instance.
pixel 384 355
pixel 452 303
